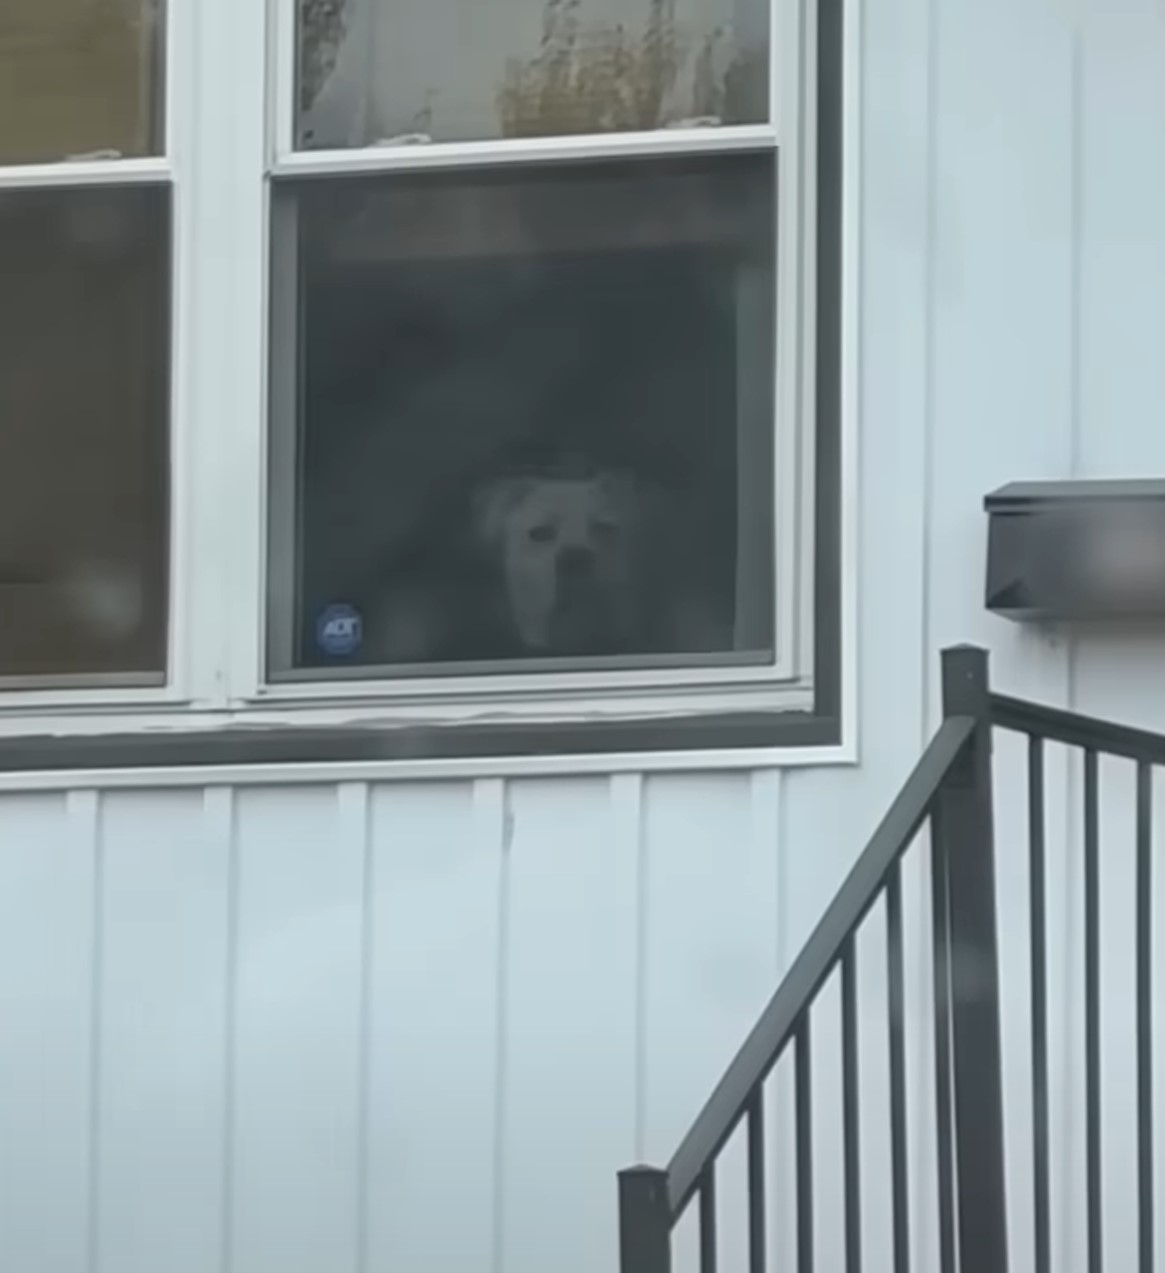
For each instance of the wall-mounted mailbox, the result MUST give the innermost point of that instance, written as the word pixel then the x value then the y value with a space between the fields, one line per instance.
pixel 1077 550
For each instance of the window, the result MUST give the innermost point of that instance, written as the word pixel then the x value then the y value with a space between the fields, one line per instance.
pixel 84 344
pixel 531 405
pixel 471 365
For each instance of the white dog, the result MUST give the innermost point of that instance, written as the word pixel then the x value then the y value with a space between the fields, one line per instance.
pixel 579 562
pixel 568 550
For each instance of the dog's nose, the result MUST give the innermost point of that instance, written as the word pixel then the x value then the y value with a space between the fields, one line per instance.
pixel 575 562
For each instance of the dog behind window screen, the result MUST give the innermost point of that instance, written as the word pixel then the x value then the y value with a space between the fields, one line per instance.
pixel 564 544
pixel 561 559
pixel 571 484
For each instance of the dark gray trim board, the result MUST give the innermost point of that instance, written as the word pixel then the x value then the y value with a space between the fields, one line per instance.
pixel 290 745
pixel 254 745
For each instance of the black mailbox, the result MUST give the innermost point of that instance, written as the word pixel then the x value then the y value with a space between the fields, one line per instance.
pixel 1077 550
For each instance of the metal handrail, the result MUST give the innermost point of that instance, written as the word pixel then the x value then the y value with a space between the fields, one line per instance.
pixel 951 786
pixel 1089 732
pixel 819 957
pixel 1094 738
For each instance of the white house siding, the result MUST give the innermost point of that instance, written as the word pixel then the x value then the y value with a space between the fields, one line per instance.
pixel 417 1027
pixel 365 1027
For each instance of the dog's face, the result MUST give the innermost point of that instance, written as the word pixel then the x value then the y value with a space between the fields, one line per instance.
pixel 566 547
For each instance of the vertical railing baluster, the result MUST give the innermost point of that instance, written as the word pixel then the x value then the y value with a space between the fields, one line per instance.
pixel 851 1146
pixel 1092 1008
pixel 897 1006
pixel 944 1093
pixel 1145 1014
pixel 967 822
pixel 708 1219
pixel 757 1229
pixel 1037 901
pixel 804 1136
pixel 644 1221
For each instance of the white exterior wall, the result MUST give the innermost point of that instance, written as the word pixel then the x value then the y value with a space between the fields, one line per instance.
pixel 419 1026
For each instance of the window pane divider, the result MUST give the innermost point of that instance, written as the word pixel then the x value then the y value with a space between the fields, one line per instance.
pixel 659 143
pixel 87 172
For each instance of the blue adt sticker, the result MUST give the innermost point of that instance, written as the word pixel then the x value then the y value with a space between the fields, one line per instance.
pixel 339 630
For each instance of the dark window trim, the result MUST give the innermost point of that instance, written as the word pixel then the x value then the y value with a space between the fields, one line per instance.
pixel 292 745
pixel 277 745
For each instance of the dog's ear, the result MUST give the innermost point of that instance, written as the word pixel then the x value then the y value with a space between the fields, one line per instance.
pixel 641 500
pixel 621 487
pixel 492 504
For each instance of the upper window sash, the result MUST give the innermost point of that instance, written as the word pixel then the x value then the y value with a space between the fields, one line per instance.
pixel 360 129
pixel 97 90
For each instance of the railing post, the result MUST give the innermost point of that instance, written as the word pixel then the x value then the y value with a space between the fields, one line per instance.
pixel 966 825
pixel 644 1221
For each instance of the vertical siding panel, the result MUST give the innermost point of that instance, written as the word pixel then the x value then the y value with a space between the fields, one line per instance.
pixel 710 954
pixel 47 871
pixel 1118 1009
pixel 767 827
pixel 571 1030
pixel 434 1007
pixel 1122 245
pixel 770 835
pixel 297 1031
pixel 1003 302
pixel 356 826
pixel 894 445
pixel 219 826
pixel 162 980
pixel 85 810
pixel 1122 251
pixel 631 851
pixel 1064 870
pixel 490 799
pixel 1006 304
pixel 827 815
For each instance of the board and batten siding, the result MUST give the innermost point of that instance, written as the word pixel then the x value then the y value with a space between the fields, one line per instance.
pixel 417 1026
pixel 408 1026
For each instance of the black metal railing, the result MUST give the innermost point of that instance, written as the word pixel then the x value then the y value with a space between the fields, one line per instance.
pixel 951 789
pixel 1090 739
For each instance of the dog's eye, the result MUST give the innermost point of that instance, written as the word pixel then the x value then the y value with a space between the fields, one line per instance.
pixel 541 534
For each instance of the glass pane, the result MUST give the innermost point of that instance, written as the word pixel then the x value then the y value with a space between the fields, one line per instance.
pixel 466 70
pixel 79 78
pixel 84 399
pixel 531 418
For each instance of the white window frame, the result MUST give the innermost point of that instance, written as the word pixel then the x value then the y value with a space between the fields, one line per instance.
pixel 787 682
pixel 229 125
pixel 170 169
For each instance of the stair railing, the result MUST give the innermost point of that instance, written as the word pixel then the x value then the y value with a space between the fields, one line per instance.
pixel 1087 740
pixel 950 788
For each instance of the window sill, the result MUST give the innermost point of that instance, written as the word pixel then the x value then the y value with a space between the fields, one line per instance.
pixel 193 746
